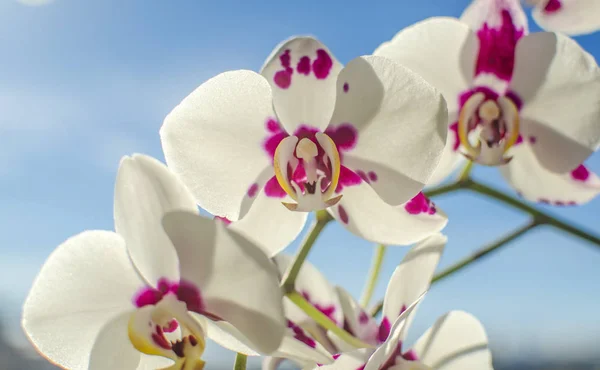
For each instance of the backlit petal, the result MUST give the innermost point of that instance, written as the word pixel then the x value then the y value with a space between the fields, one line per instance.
pixel 457 341
pixel 214 139
pixel 145 190
pixel 237 280
pixel 364 214
pixel 112 348
pixel 302 73
pixel 441 50
pixel 559 83
pixel 401 123
pixel 572 17
pixel 412 277
pixel 535 183
pixel 84 284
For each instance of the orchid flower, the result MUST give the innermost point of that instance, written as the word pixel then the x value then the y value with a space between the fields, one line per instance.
pixel 572 17
pixel 307 133
pixel 527 102
pixel 147 296
pixel 457 341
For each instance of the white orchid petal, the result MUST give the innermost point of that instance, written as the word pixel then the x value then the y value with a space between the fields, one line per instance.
pixel 441 50
pixel 535 183
pixel 86 282
pixel 401 124
pixel 452 158
pixel 214 140
pixel 145 190
pixel 354 360
pixel 572 17
pixel 270 225
pixel 315 288
pixel 302 353
pixel 227 336
pixel 364 214
pixel 112 348
pixel 397 333
pixel 302 73
pixel 559 83
pixel 362 325
pixel 412 278
pixel 148 362
pixel 457 341
pixel 237 281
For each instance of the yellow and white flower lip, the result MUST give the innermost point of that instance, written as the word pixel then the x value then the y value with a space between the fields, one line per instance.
pixel 161 271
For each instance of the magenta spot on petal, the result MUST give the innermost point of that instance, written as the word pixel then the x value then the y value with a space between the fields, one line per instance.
pixel 363 176
pixel 384 330
pixel 347 178
pixel 553 6
pixel 373 176
pixel 171 327
pixel 532 139
pixel 454 131
pixel 344 136
pixel 343 214
pixel 273 125
pixel 580 173
pixel 519 140
pixel 300 335
pixel 516 99
pixel 285 59
pixel 304 66
pixel 188 293
pixel 559 203
pixel 327 310
pixel 252 190
pixel 362 367
pixel 572 203
pixel 283 79
pixel 544 201
pixel 402 309
pixel 497 48
pixel 146 297
pixel 336 356
pixel 225 220
pixel 410 355
pixel 273 189
pixel 420 204
pixel 363 318
pixel 322 65
pixel 346 87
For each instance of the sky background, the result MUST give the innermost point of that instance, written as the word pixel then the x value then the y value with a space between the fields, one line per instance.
pixel 83 83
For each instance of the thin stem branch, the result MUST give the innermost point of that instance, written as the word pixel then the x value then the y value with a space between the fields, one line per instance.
pixel 325 321
pixel 322 218
pixel 539 216
pixel 483 252
pixel 373 275
pixel 240 362
pixel 466 171
pixel 443 189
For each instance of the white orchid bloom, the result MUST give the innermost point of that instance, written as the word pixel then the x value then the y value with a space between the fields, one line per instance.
pixel 527 102
pixel 457 341
pixel 104 300
pixel 359 141
pixel 572 17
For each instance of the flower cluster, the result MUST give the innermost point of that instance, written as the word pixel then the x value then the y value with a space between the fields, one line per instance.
pixel 355 143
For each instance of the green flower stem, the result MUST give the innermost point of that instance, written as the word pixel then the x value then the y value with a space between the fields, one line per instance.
pixel 325 321
pixel 539 216
pixel 373 275
pixel 322 218
pixel 240 362
pixel 483 252
pixel 466 171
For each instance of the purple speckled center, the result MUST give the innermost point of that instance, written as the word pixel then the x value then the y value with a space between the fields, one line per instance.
pixel 345 138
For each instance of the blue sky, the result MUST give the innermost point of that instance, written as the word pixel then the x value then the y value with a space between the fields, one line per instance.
pixel 83 83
